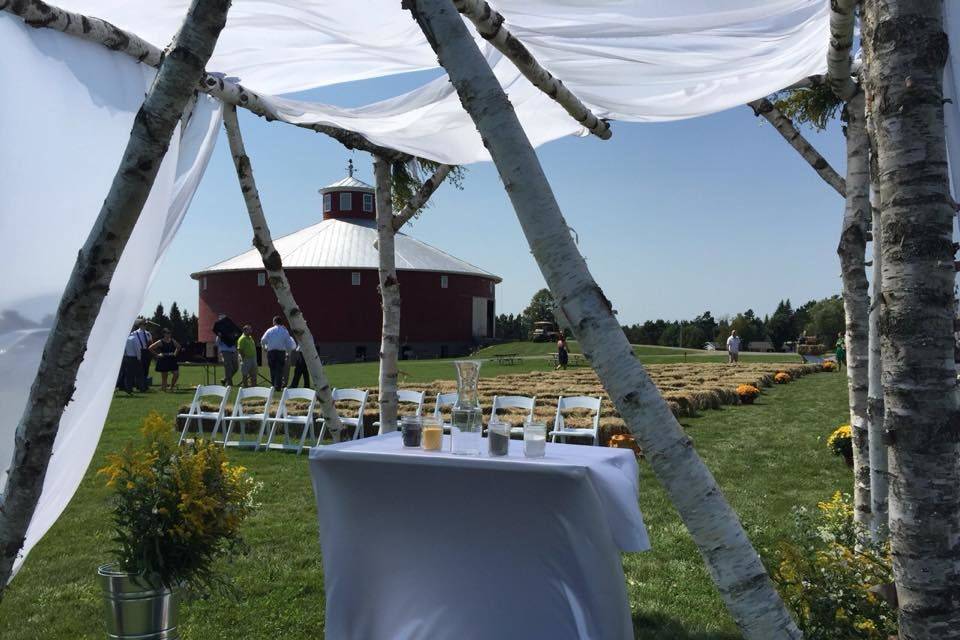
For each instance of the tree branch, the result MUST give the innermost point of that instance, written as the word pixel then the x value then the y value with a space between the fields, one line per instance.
pixel 92 274
pixel 263 241
pixel 38 14
pixel 489 24
pixel 419 199
pixel 763 107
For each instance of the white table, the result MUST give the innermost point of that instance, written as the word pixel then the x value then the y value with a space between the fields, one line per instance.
pixel 433 546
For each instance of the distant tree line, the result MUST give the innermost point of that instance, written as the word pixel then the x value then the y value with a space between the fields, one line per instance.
pixel 822 318
pixel 182 324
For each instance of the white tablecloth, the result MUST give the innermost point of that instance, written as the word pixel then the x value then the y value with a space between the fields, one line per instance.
pixel 420 545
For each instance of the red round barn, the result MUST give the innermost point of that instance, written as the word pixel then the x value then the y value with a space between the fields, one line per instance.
pixel 448 305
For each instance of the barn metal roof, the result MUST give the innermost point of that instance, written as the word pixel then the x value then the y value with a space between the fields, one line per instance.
pixel 348 244
pixel 348 183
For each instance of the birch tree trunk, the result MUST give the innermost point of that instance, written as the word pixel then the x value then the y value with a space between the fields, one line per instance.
pixel 93 271
pixel 389 296
pixel 732 561
pixel 273 265
pixel 856 302
pixel 879 527
pixel 489 24
pixel 842 19
pixel 905 49
pixel 795 139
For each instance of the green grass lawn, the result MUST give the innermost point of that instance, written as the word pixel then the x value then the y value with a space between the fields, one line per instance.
pixel 767 457
pixel 646 353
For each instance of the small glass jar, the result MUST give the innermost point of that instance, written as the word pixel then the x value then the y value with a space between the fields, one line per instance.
pixel 432 433
pixel 498 438
pixel 411 431
pixel 534 439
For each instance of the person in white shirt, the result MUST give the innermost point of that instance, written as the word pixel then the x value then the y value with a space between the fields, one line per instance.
pixel 276 341
pixel 145 339
pixel 131 372
pixel 733 347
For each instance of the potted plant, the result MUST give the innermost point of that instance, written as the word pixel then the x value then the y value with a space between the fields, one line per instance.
pixel 747 393
pixel 841 443
pixel 829 365
pixel 175 511
pixel 782 377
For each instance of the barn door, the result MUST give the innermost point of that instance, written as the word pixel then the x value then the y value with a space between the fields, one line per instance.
pixel 479 317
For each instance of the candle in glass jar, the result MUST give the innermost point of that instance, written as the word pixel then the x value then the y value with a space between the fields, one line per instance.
pixel 498 439
pixel 411 430
pixel 432 438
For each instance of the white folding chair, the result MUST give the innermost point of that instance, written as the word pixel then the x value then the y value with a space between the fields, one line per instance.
pixel 239 414
pixel 444 400
pixel 196 414
pixel 355 395
pixel 283 417
pixel 513 402
pixel 411 397
pixel 577 402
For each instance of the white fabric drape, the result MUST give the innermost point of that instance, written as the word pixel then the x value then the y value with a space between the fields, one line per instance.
pixel 642 60
pixel 64 128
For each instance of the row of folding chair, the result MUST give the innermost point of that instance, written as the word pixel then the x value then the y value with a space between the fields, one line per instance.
pixel 281 419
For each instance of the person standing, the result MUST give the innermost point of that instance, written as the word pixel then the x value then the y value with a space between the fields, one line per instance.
pixel 130 370
pixel 300 369
pixel 733 347
pixel 276 341
pixel 841 352
pixel 145 339
pixel 563 356
pixel 166 350
pixel 247 347
pixel 227 333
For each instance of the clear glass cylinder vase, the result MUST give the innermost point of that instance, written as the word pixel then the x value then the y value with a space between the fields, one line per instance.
pixel 466 428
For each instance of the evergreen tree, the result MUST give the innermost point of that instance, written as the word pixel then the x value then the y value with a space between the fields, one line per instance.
pixel 159 317
pixel 178 325
pixel 781 326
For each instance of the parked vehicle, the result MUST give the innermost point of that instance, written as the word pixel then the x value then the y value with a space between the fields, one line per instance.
pixel 544 331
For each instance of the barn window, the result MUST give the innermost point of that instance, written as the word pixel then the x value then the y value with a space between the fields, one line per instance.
pixel 261 279
pixel 355 278
pixel 444 282
pixel 203 283
pixel 491 288
pixel 368 202
pixel 327 202
pixel 346 201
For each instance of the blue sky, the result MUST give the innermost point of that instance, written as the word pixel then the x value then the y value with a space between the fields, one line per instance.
pixel 676 218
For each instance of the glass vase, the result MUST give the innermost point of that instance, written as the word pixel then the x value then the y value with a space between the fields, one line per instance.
pixel 466 428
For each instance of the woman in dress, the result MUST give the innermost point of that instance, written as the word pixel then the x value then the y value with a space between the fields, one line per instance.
pixel 562 354
pixel 165 350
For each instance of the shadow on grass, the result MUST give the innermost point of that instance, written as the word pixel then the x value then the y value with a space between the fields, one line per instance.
pixel 659 626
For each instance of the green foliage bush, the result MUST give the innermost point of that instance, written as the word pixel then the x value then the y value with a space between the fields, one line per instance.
pixel 826 571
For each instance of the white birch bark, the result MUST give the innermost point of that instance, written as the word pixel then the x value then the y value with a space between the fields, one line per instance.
pixel 905 50
pixel 389 297
pixel 38 14
pixel 93 271
pixel 879 527
pixel 489 25
pixel 732 561
pixel 842 19
pixel 856 301
pixel 276 276
pixel 419 199
pixel 785 127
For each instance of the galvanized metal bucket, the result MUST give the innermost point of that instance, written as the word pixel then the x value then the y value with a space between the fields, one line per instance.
pixel 137 609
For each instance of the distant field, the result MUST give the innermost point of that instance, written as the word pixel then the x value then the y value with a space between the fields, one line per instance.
pixel 364 374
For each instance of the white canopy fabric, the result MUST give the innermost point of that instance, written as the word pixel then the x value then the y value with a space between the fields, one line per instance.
pixel 70 116
pixel 89 96
pixel 632 60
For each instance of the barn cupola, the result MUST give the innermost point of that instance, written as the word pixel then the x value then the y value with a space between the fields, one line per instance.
pixel 349 198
